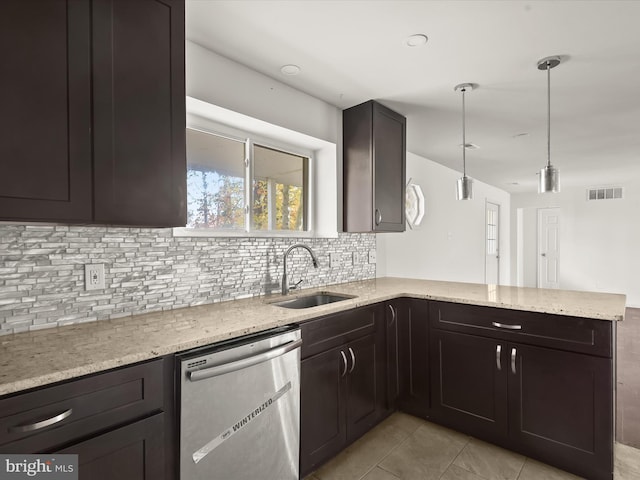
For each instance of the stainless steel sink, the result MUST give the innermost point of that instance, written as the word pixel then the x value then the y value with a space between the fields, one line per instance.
pixel 314 300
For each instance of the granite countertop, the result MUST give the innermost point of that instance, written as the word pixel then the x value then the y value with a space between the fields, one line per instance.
pixel 33 359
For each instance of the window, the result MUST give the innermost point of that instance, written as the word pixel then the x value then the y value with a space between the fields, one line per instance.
pixel 225 175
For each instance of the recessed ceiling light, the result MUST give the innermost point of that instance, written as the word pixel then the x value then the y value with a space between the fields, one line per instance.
pixel 416 40
pixel 290 69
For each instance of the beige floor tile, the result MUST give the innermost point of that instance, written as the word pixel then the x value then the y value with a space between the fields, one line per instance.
pixel 407 423
pixel 426 454
pixel 489 461
pixel 357 459
pixel 627 463
pixel 379 474
pixel 534 470
pixel 458 473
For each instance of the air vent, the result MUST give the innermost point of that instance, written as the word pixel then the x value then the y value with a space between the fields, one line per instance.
pixel 196 363
pixel 604 193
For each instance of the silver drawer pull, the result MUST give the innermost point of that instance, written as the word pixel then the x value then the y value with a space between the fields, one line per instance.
pixel 506 326
pixel 513 361
pixel 353 360
pixel 498 353
pixel 344 362
pixel 41 424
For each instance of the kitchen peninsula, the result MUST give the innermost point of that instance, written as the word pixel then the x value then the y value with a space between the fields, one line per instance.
pixel 532 370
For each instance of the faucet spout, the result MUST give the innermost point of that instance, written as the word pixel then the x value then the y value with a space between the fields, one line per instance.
pixel 285 282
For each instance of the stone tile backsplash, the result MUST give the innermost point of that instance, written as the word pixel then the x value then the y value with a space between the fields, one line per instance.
pixel 42 270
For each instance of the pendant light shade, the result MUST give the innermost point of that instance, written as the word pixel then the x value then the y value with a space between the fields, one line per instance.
pixel 549 180
pixel 464 186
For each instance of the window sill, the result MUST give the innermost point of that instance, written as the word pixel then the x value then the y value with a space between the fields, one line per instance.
pixel 205 232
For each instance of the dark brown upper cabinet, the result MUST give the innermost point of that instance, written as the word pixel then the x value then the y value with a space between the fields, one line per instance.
pixel 93 120
pixel 45 120
pixel 374 156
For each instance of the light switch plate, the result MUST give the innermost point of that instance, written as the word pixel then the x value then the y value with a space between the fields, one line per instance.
pixel 372 256
pixel 94 276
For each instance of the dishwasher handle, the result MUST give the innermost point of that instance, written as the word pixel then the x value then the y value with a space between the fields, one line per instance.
pixel 214 371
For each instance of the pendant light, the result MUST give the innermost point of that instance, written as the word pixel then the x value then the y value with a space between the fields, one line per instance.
pixel 464 186
pixel 549 175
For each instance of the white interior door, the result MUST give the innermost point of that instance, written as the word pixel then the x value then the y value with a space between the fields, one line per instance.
pixel 548 248
pixel 492 244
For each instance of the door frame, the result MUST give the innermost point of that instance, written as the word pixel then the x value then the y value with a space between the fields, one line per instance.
pixel 498 238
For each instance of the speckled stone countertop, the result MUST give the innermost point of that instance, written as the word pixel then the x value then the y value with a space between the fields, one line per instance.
pixel 42 357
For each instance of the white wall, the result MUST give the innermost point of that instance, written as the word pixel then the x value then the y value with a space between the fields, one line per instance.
pixel 217 80
pixel 599 240
pixel 450 243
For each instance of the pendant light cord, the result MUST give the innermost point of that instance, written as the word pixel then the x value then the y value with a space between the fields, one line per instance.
pixel 464 142
pixel 548 113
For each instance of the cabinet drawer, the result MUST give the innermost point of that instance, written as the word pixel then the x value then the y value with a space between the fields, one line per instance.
pixel 555 331
pixel 327 332
pixel 43 419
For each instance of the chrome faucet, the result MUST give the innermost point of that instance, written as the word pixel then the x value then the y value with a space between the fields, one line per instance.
pixel 285 282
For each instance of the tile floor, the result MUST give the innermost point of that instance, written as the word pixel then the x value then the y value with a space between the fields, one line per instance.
pixel 408 448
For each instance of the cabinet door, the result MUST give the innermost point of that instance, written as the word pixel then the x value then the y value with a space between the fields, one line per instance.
pixel 134 452
pixel 560 408
pixel 469 387
pixel 389 178
pixel 365 385
pixel 139 112
pixel 394 309
pixel 374 154
pixel 413 356
pixel 45 136
pixel 322 408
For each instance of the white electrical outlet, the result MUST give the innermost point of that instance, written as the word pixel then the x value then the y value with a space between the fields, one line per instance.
pixel 94 276
pixel 372 256
pixel 334 260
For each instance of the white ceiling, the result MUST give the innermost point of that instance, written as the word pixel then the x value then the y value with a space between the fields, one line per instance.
pixel 353 51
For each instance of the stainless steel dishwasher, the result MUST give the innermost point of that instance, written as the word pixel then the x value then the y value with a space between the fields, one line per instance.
pixel 240 408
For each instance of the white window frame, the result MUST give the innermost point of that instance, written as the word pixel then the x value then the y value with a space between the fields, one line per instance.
pixel 250 139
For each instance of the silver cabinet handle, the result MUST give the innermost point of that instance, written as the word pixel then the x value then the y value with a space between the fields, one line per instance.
pixel 513 361
pixel 216 370
pixel 378 217
pixel 344 362
pixel 506 326
pixel 353 360
pixel 498 354
pixel 393 315
pixel 42 423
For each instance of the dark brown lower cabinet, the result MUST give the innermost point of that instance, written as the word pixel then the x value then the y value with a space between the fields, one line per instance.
pixel 560 408
pixel 120 422
pixel 549 404
pixel 342 388
pixel 323 429
pixel 469 383
pixel 413 357
pixel 134 452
